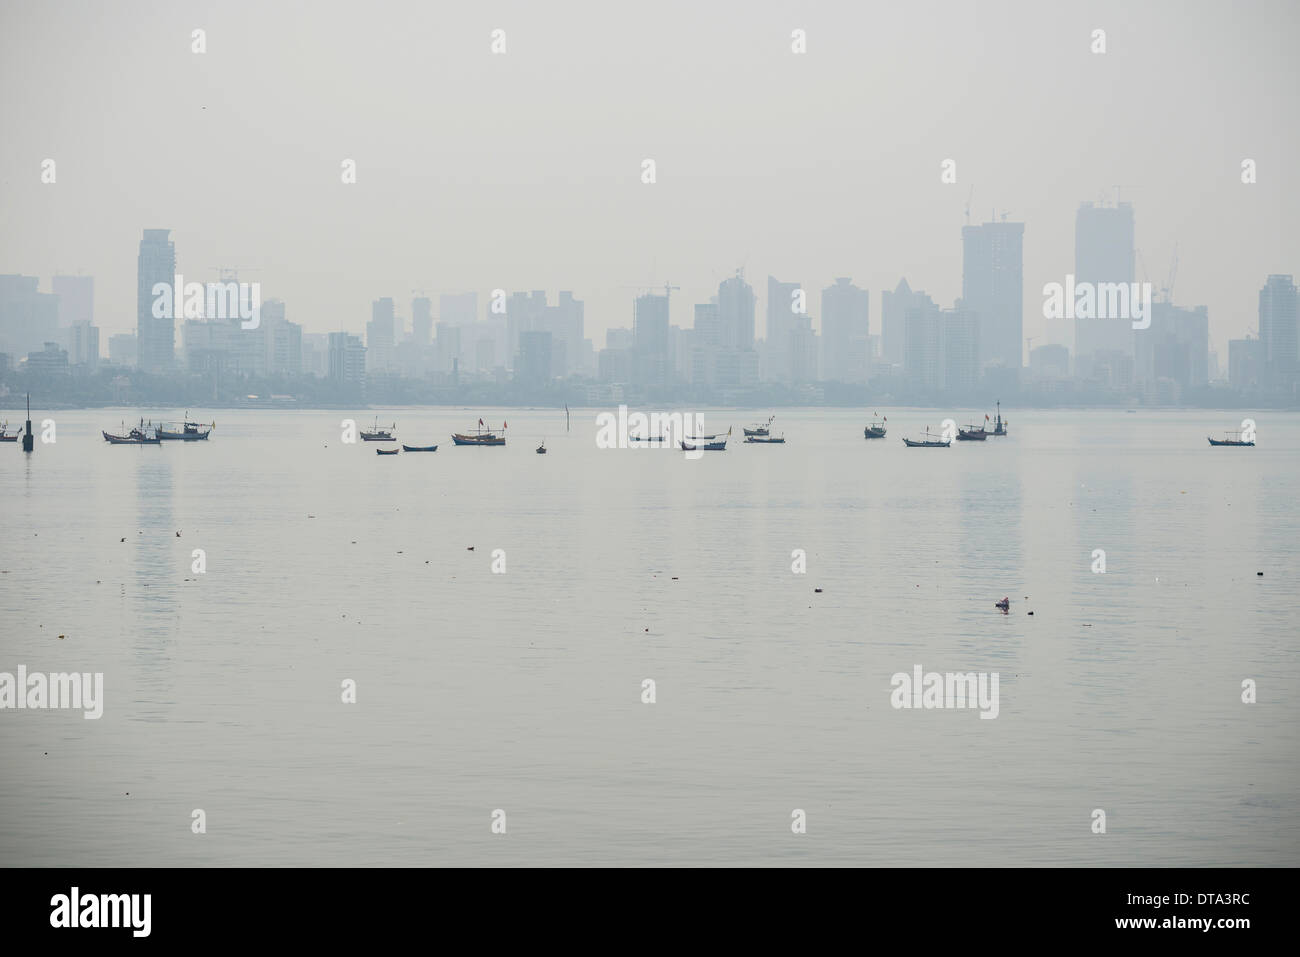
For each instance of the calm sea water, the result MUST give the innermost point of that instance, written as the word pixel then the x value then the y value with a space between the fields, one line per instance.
pixel 522 691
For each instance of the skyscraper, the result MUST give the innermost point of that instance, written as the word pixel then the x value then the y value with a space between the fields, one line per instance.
pixel 1103 253
pixel 992 287
pixel 650 339
pixel 155 335
pixel 781 324
pixel 1277 333
pixel 893 319
pixel 380 336
pixel 736 312
pixel 846 328
pixel 421 320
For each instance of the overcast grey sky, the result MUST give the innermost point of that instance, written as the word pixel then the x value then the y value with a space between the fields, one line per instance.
pixel 522 171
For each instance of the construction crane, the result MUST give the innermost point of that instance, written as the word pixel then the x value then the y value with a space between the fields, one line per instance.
pixel 231 273
pixel 1168 291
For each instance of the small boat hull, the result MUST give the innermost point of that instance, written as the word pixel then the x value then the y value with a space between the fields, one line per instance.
pixel 167 436
pixel 419 448
pixel 387 451
pixel 130 440
pixel 706 447
pixel 979 436
pixel 756 440
pixel 459 439
pixel 376 436
pixel 1231 442
pixel 912 444
pixel 870 433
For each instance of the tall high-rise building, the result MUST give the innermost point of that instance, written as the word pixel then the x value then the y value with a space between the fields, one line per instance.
pixel 1103 253
pixel 1277 332
pixel 83 343
pixel 533 367
pixel 992 287
pixel 846 332
pixel 1175 347
pixel 122 349
pixel 736 312
pixel 1246 364
pixel 781 323
pixel 155 335
pixel 381 336
pixel 942 349
pixel 28 318
pixel 650 339
pixel 893 319
pixel 421 320
pixel 347 359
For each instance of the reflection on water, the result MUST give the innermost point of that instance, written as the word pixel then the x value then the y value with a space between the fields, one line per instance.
pixel 523 690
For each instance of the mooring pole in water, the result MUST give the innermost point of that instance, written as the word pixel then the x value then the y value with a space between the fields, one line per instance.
pixel 29 441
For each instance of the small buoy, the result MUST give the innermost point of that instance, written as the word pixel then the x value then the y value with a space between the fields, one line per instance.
pixel 817 590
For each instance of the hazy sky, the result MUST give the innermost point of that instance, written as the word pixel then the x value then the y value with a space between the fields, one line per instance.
pixel 522 171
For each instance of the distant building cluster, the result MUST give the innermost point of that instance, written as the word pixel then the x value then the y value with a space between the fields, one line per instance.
pixel 523 342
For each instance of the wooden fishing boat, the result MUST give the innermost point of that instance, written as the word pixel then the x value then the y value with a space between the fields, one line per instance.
pixel 541 449
pixel 376 434
pixel 705 447
pixel 876 430
pixel 419 448
pixel 387 451
pixel 1230 438
pixel 139 435
pixel 929 442
pixel 972 433
pixel 4 433
pixel 483 435
pixel 188 432
pixel 761 430
pixel 647 438
pixel 765 440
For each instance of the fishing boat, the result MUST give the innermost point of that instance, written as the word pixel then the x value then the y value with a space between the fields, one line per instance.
pixel 4 433
pixel 973 433
pixel 929 442
pixel 419 448
pixel 712 438
pixel 387 451
pixel 705 447
pixel 999 426
pixel 876 430
pixel 647 438
pixel 483 435
pixel 140 435
pixel 1230 438
pixel 189 431
pixel 541 449
pixel 376 434
pixel 765 439
pixel 762 429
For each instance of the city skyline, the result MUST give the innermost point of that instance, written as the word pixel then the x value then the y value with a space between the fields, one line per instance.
pixel 868 200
